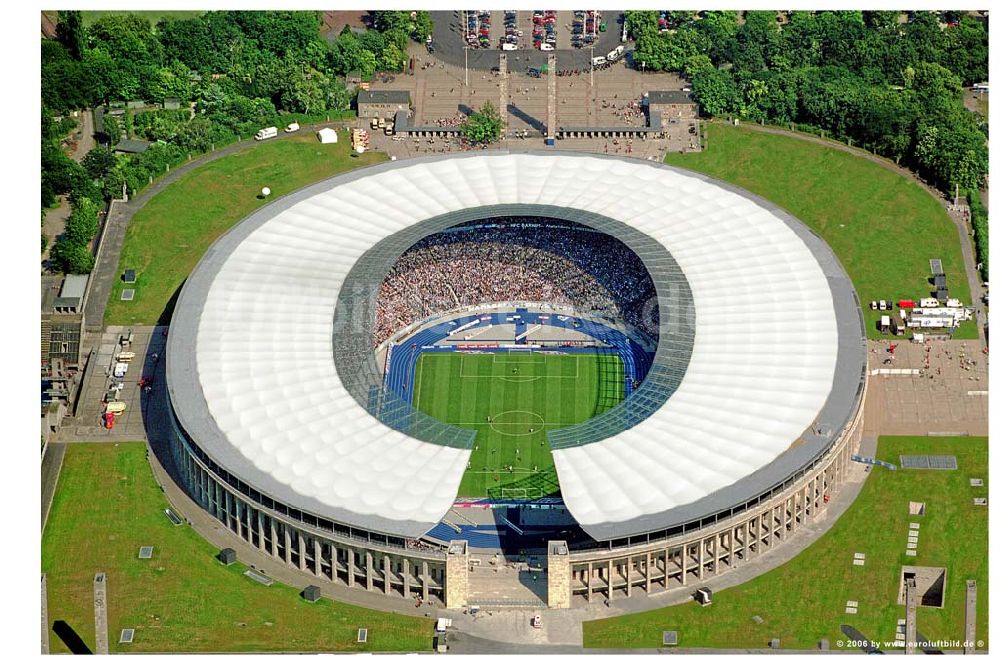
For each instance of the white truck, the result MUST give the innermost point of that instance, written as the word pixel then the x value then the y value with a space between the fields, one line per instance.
pixel 616 53
pixel 598 61
pixel 266 133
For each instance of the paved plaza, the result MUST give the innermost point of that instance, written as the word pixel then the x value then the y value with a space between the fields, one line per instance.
pixel 87 424
pixel 947 392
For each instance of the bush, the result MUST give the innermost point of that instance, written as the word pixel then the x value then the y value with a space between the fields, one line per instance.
pixel 70 257
pixel 82 225
pixel 981 228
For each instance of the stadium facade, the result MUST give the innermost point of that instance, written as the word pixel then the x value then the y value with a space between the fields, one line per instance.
pixel 739 435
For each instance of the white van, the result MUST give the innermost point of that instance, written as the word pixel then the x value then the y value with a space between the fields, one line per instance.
pixel 115 407
pixel 292 127
pixel 599 60
pixel 266 133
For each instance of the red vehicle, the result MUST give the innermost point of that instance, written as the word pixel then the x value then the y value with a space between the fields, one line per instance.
pixel 109 420
pixel 905 303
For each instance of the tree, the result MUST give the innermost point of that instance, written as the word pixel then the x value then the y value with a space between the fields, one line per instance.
pixel 98 162
pixel 696 64
pixel 641 22
pixel 70 33
pixel 127 38
pixel 483 126
pixel 384 21
pixel 392 59
pixel 82 225
pixel 423 26
pixel 719 31
pixel 715 91
pixel 194 42
pixel 69 257
pixel 338 96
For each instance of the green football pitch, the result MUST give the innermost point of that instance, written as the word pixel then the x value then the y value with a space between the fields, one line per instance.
pixel 511 399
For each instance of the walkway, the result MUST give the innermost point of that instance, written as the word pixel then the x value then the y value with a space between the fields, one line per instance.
pixel 964 232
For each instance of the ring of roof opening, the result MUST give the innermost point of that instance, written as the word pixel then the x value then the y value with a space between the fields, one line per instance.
pixel 261 365
pixel 669 308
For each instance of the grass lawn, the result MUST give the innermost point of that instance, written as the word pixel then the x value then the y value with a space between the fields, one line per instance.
pixel 882 226
pixel 804 600
pixel 522 395
pixel 108 504
pixel 167 238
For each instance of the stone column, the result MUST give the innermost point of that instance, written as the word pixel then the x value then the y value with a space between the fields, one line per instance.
pixel 406 578
pixel 239 518
pixel 369 579
pixel 590 582
pixel 386 573
pixel 274 537
pixel 628 576
pixel 684 565
pixel 701 559
pixel 649 572
pixel 611 585
pixel 45 616
pixel 715 554
pixel 101 612
pixel 456 575
pixel 350 567
pixel 218 500
pixel 424 578
pixel 288 543
pixel 317 557
pixel 261 541
pixel 560 575
pixel 302 551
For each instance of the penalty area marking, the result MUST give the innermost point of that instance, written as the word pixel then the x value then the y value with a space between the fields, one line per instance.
pixel 535 358
pixel 464 375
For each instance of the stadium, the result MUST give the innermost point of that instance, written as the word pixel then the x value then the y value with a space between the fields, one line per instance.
pixel 621 375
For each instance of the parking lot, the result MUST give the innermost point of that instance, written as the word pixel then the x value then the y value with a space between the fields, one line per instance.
pixel 451 28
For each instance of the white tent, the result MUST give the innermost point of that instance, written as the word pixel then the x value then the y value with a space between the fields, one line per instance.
pixel 327 135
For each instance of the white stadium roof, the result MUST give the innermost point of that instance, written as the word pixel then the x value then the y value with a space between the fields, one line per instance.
pixel 253 381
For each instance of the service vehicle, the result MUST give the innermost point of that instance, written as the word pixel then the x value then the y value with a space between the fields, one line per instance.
pixel 266 133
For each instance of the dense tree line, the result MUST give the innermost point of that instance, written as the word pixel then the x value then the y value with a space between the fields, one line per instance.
pixel 866 77
pixel 232 71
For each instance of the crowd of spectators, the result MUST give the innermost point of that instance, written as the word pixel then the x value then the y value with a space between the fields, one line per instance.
pixel 630 113
pixel 515 259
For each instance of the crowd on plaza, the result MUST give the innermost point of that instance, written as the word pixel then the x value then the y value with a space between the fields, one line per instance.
pixel 514 259
pixel 453 121
pixel 630 112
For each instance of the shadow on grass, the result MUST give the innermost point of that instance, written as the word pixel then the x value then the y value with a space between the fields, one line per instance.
pixel 168 311
pixel 70 638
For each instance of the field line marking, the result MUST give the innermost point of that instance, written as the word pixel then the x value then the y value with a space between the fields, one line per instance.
pixel 419 380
